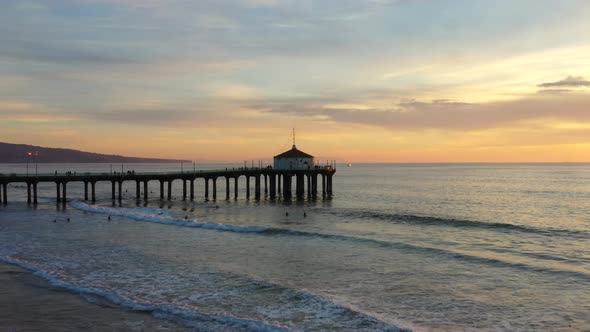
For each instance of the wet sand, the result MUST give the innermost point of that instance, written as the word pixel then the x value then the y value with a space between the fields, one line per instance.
pixel 30 303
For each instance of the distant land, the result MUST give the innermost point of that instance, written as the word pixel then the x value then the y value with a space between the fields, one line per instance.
pixel 22 153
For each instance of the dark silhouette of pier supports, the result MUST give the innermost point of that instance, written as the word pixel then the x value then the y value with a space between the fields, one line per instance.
pixel 273 186
pixel 265 185
pixel 276 183
pixel 34 192
pixel 287 186
pixel 227 188
pixel 279 184
pixel 257 186
pixel 30 185
pixel 64 192
pixel 247 187
pixel 299 188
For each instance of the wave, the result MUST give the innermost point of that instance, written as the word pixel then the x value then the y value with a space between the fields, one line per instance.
pixel 141 215
pixel 182 316
pixel 290 300
pixel 158 216
pixel 452 222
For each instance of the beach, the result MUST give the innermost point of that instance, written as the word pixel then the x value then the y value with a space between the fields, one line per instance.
pixel 30 303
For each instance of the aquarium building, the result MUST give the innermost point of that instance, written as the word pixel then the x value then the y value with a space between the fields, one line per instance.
pixel 293 159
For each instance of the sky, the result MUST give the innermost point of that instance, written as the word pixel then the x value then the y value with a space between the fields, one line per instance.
pixel 360 80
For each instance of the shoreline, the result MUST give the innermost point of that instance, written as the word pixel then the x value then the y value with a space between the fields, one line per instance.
pixel 31 303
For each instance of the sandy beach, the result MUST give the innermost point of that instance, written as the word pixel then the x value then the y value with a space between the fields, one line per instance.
pixel 30 303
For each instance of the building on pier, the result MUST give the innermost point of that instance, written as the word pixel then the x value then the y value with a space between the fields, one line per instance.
pixel 293 159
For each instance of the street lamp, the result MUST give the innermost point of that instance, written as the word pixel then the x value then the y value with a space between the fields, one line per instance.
pixel 29 154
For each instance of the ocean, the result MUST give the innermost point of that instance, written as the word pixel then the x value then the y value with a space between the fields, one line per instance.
pixel 421 247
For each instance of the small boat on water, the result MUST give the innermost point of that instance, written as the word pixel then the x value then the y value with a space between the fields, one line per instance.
pixel 348 165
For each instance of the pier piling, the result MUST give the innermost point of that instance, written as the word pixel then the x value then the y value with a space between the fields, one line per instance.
pixel 276 183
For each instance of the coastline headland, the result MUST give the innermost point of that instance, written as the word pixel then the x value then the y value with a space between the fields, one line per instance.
pixel 277 183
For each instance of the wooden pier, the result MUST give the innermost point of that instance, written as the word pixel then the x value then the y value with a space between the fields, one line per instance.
pixel 277 183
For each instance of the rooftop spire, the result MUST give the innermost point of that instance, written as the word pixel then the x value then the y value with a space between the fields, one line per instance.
pixel 293 138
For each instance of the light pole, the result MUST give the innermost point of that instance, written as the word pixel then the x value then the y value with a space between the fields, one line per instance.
pixel 29 155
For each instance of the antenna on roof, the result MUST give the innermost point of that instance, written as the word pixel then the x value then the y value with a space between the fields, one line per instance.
pixel 293 137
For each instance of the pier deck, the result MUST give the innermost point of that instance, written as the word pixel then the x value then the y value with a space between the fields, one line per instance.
pixel 276 182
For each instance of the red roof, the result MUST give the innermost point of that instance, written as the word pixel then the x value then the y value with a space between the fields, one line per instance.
pixel 294 153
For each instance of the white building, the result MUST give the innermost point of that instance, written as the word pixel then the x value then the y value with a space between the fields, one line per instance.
pixel 293 160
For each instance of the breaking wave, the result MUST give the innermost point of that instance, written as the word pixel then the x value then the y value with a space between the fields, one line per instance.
pixel 148 216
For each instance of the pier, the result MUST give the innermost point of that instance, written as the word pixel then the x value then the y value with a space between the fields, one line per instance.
pixel 269 182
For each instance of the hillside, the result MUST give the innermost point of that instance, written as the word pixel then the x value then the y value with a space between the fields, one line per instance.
pixel 21 153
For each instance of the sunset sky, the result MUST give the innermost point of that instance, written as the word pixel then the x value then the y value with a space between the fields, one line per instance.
pixel 371 80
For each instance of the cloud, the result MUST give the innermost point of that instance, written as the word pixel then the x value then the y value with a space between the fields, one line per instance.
pixel 570 81
pixel 443 114
pixel 60 53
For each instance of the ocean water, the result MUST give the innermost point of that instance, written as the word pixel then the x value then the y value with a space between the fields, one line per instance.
pixel 444 247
